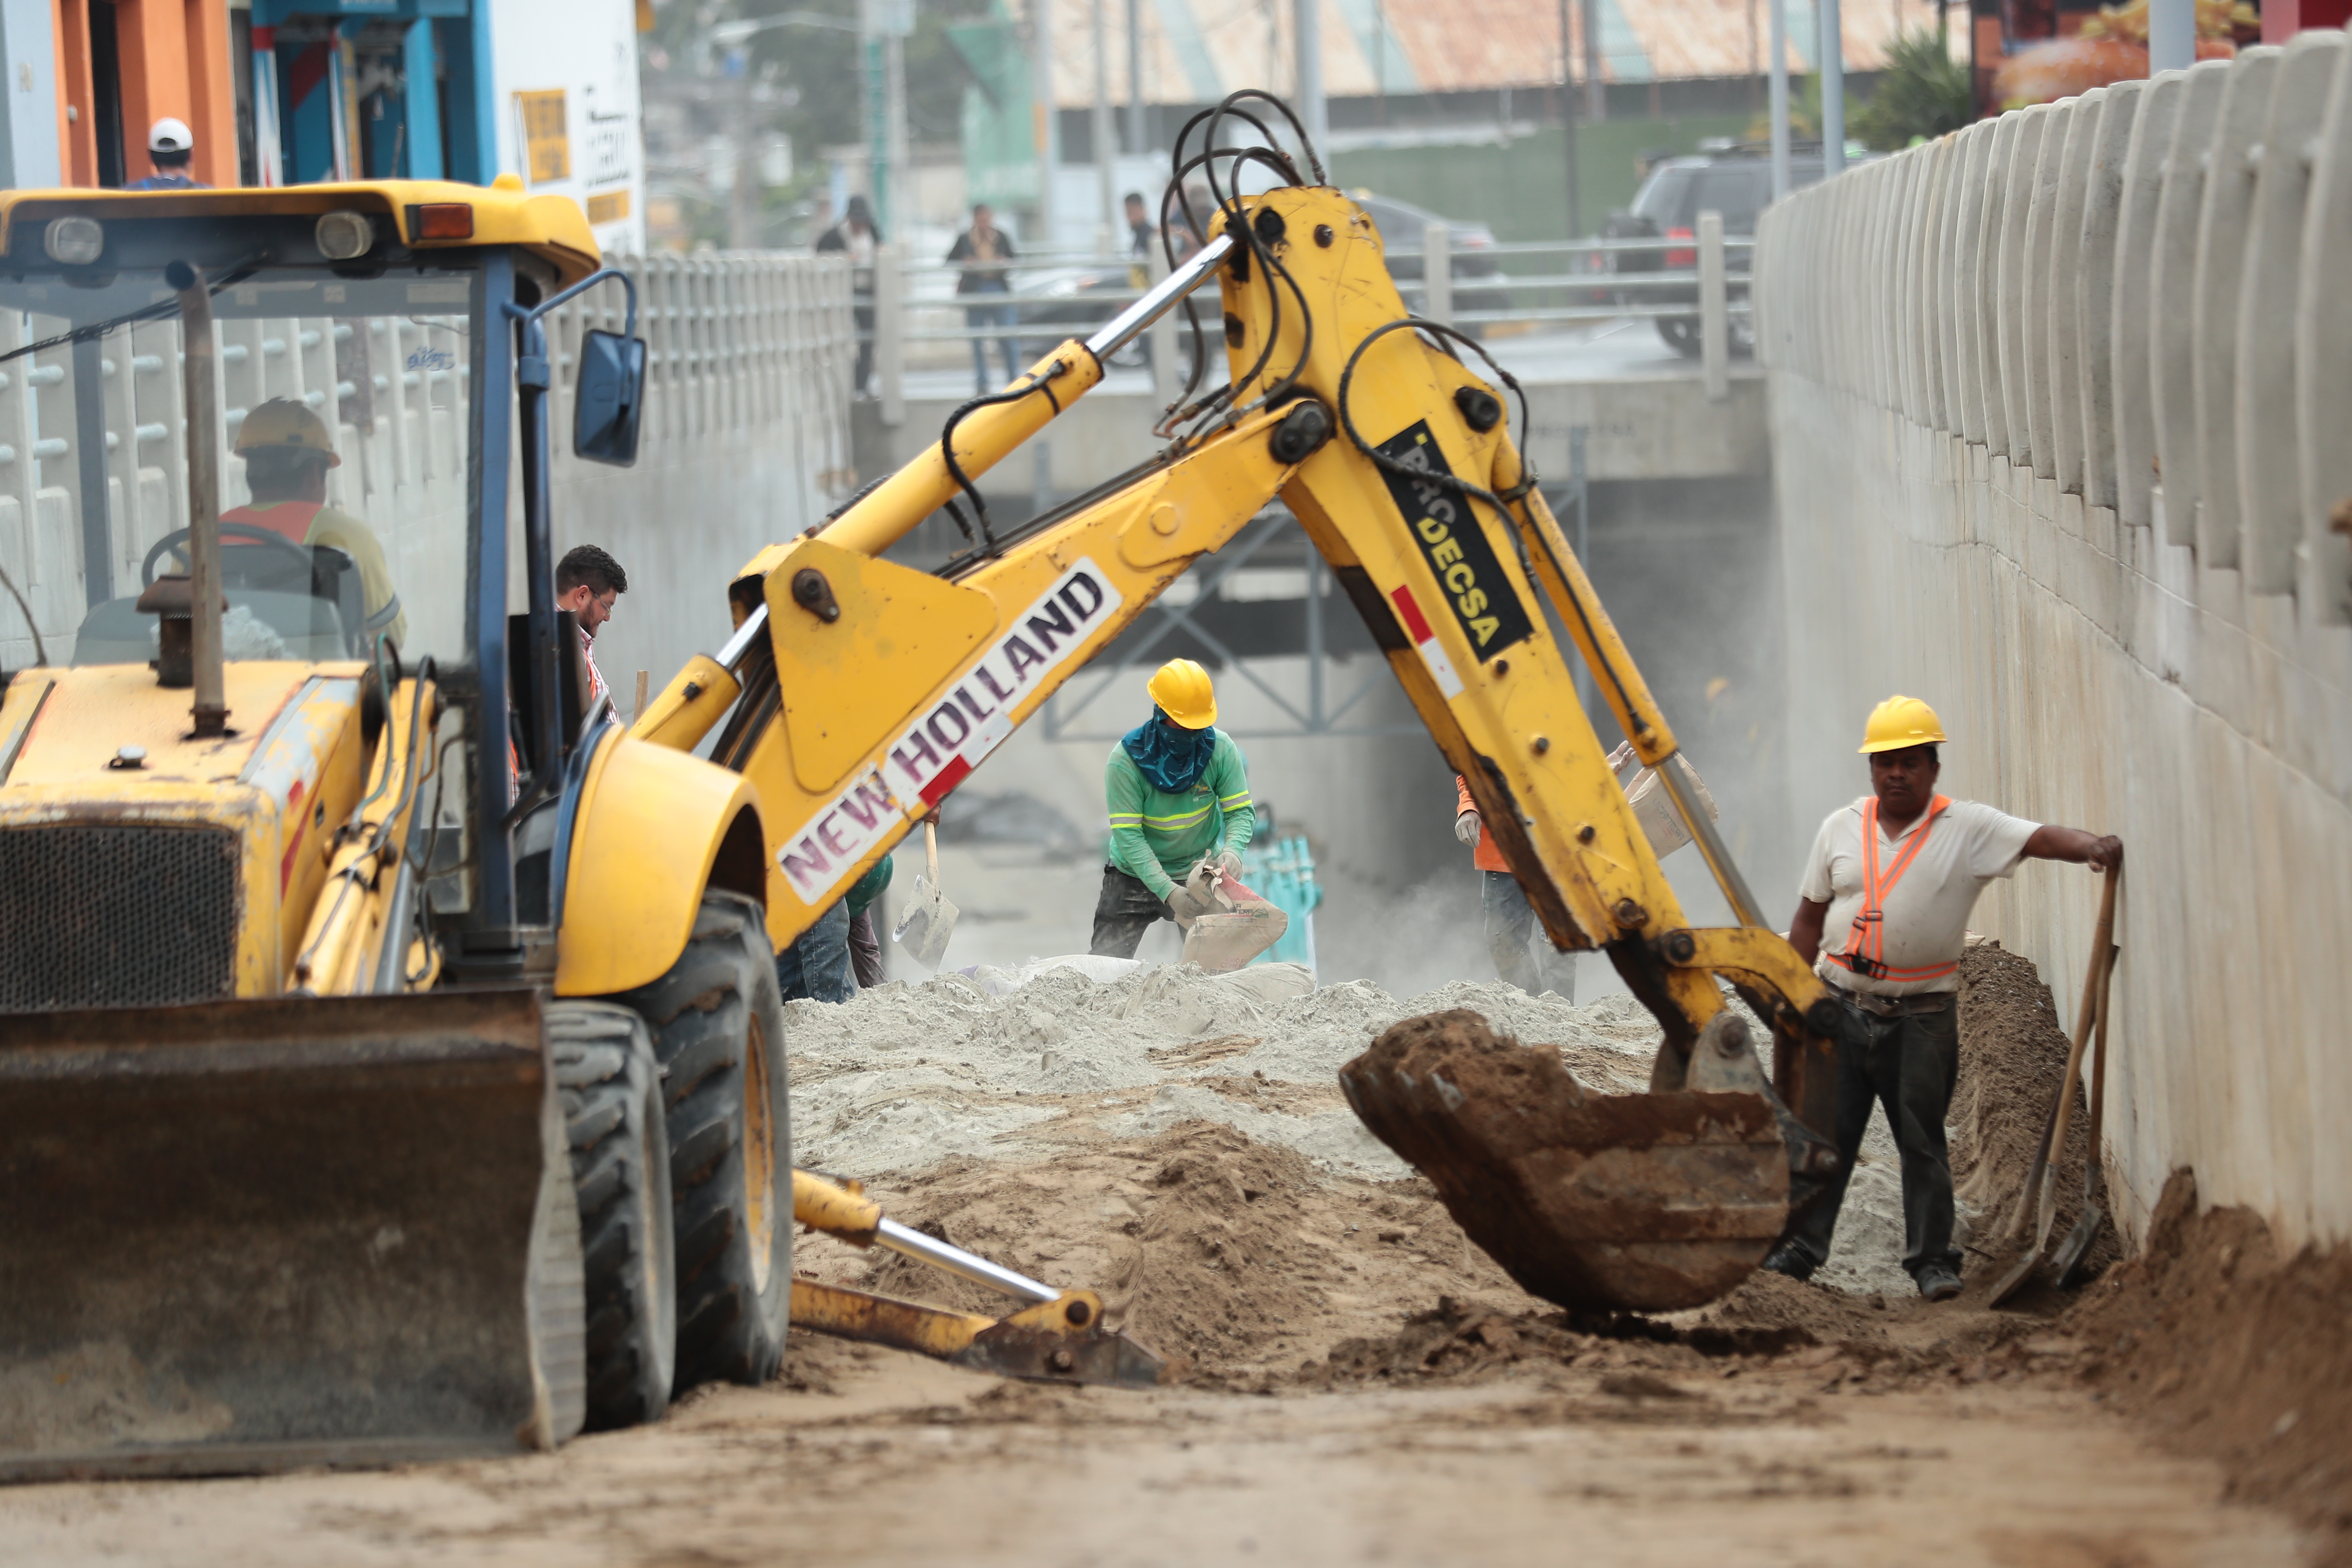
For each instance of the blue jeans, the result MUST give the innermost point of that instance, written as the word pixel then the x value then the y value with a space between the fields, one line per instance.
pixel 818 965
pixel 978 317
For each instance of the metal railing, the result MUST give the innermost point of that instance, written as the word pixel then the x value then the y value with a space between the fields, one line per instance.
pixel 916 320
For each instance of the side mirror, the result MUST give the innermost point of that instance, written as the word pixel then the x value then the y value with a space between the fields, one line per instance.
pixel 609 398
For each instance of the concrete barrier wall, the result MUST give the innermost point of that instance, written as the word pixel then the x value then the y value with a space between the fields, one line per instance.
pixel 2060 410
pixel 745 439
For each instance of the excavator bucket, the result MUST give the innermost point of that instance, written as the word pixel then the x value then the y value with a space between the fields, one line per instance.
pixel 253 1235
pixel 1631 1202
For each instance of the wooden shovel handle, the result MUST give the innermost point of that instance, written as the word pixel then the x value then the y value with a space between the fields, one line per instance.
pixel 931 851
pixel 2094 990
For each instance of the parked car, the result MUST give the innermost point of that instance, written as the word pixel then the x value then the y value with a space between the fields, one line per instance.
pixel 1734 182
pixel 1076 299
pixel 1472 247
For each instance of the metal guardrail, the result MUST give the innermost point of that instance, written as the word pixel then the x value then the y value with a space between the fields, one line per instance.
pixel 913 304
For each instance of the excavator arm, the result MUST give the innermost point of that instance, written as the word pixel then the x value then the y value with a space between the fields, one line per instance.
pixel 857 691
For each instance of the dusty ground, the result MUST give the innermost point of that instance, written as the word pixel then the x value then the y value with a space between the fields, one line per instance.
pixel 1360 1385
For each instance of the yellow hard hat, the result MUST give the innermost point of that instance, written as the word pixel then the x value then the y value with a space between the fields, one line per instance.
pixel 286 422
pixel 1182 690
pixel 1901 721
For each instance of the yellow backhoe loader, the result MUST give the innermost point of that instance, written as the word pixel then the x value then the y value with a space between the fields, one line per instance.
pixel 393 1060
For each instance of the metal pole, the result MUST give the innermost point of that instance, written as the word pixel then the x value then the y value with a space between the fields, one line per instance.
pixel 1043 129
pixel 1306 43
pixel 1138 137
pixel 897 182
pixel 1832 90
pixel 1779 102
pixel 1568 117
pixel 2171 34
pixel 1437 273
pixel 1714 327
pixel 1106 143
pixel 1313 636
pixel 200 395
pixel 1596 100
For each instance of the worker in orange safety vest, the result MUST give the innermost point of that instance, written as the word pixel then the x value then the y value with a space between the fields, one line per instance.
pixel 1883 916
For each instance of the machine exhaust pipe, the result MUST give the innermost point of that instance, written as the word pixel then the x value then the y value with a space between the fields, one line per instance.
pixel 200 395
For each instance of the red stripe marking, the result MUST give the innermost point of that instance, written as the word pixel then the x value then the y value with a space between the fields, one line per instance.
pixel 941 787
pixel 1415 625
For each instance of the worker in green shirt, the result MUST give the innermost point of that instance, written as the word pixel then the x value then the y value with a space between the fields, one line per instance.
pixel 1178 792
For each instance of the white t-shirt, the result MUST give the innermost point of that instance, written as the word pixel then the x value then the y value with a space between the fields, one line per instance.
pixel 1927 916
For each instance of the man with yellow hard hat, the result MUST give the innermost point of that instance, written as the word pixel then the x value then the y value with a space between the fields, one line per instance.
pixel 1882 916
pixel 1178 790
pixel 287 450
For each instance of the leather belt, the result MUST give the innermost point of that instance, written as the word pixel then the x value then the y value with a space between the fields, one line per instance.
pixel 1897 1007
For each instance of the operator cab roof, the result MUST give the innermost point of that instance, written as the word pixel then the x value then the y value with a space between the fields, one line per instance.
pixel 276 226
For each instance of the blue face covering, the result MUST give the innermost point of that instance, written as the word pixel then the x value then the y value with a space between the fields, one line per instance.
pixel 1171 757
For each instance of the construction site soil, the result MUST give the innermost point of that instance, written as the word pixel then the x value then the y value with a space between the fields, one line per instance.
pixel 1355 1382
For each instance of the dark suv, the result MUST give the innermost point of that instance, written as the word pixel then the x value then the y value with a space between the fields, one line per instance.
pixel 1737 183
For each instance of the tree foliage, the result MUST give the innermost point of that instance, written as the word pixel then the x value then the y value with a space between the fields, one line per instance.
pixel 1923 93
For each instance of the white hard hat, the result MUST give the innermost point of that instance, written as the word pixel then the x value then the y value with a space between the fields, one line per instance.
pixel 170 135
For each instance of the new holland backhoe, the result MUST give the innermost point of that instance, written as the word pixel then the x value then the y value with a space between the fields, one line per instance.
pixel 336 1040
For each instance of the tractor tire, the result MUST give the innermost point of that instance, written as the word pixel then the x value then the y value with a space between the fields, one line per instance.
pixel 610 1088
pixel 719 1033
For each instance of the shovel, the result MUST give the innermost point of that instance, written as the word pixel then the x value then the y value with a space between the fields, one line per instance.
pixel 923 931
pixel 2040 1197
pixel 2066 1263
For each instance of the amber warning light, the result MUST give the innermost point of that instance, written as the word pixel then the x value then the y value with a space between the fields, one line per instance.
pixel 440 220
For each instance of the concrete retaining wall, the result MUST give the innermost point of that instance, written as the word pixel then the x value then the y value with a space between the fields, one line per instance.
pixel 2059 410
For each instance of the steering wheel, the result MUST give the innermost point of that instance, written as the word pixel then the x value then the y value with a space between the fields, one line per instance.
pixel 173 540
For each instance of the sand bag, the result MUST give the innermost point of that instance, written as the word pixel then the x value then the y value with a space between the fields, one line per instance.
pixel 1244 925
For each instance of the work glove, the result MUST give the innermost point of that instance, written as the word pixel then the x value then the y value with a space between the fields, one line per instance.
pixel 1228 863
pixel 1465 827
pixel 1187 905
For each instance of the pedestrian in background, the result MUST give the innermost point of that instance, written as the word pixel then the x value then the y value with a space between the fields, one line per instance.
pixel 170 145
pixel 974 250
pixel 855 236
pixel 1523 956
pixel 1139 232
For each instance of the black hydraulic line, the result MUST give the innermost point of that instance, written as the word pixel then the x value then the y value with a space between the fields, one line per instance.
pixel 955 470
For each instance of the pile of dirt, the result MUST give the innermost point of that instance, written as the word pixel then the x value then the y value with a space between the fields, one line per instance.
pixel 2013 1062
pixel 2234 1352
pixel 1232 1257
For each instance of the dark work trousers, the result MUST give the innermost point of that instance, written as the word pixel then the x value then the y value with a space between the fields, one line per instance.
pixel 816 966
pixel 1908 1064
pixel 1125 910
pixel 862 318
pixel 1511 926
pixel 865 950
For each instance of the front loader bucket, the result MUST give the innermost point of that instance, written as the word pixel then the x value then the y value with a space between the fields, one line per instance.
pixel 1633 1202
pixel 248 1235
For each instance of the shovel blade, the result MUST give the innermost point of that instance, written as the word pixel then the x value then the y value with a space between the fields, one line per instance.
pixel 2066 1263
pixel 923 931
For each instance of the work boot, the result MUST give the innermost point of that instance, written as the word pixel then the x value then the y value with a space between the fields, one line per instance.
pixel 1936 1282
pixel 1792 1260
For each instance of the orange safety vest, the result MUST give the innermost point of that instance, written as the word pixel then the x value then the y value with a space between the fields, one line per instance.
pixel 1865 948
